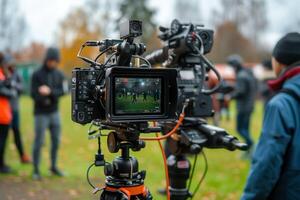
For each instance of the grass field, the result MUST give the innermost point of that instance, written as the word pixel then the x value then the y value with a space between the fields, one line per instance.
pixel 126 104
pixel 225 179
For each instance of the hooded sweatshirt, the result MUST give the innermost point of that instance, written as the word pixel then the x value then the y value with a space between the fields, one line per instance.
pixel 54 79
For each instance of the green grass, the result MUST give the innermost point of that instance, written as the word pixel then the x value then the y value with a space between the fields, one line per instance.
pixel 225 179
pixel 126 104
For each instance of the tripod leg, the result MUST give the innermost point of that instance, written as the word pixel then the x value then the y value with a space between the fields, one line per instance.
pixel 179 171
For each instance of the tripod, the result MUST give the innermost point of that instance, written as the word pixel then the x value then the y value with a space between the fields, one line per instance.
pixel 194 134
pixel 123 181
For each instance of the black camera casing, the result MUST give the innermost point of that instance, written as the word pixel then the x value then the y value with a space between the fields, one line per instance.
pixel 85 108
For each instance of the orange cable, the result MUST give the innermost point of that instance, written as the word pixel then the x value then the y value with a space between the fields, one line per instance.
pixel 181 117
pixel 166 168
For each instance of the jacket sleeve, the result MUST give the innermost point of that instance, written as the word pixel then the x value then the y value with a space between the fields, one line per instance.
pixel 34 90
pixel 6 91
pixel 59 89
pixel 269 154
pixel 240 88
pixel 19 83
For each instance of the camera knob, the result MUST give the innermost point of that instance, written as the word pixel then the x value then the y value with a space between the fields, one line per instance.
pixel 195 148
pixel 108 169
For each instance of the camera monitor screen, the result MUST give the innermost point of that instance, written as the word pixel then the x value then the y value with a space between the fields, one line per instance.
pixel 137 95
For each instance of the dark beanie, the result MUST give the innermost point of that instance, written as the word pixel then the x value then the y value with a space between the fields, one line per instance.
pixel 287 49
pixel 52 54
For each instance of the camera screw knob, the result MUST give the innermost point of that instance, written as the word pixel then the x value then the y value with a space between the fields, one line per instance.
pixel 195 148
pixel 108 169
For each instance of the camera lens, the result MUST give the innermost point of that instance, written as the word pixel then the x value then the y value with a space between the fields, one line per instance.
pixel 136 27
pixel 175 27
pixel 205 37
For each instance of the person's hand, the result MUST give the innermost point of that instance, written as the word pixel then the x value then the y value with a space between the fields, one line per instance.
pixel 44 90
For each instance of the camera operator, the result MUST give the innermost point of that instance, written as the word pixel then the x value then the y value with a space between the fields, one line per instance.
pixel 245 92
pixel 5 111
pixel 275 171
pixel 46 88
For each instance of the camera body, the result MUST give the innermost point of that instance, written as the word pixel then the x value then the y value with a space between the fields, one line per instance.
pixel 185 45
pixel 183 38
pixel 117 92
pixel 189 87
pixel 85 107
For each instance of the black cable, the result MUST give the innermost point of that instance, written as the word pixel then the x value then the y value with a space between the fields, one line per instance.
pixel 87 175
pixel 193 170
pixel 110 57
pixel 100 54
pixel 85 58
pixel 203 176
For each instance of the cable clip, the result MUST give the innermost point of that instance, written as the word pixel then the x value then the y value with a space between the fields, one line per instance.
pixel 96 190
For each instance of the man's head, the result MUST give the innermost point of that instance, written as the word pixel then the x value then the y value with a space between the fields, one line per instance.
pixel 9 61
pixel 235 61
pixel 52 58
pixel 286 52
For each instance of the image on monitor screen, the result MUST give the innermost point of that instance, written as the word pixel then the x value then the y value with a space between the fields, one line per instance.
pixel 137 95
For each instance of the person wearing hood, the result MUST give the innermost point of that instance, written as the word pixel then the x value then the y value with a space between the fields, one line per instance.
pixel 244 93
pixel 275 170
pixel 46 89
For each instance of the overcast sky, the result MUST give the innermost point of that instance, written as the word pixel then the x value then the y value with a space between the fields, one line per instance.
pixel 43 16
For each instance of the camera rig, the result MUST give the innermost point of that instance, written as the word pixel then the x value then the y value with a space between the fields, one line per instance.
pixel 185 47
pixel 103 91
pixel 116 96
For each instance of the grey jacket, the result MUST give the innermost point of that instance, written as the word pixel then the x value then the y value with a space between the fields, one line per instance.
pixel 16 83
pixel 245 91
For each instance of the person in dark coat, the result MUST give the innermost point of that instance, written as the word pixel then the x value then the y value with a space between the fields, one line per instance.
pixel 46 89
pixel 5 112
pixel 244 93
pixel 275 170
pixel 16 84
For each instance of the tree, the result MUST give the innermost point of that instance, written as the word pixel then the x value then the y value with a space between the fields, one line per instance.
pixel 188 11
pixel 34 52
pixel 139 10
pixel 12 25
pixel 154 42
pixel 101 14
pixel 250 17
pixel 229 40
pixel 74 31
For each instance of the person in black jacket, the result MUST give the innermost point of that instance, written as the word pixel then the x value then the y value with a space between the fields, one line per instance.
pixel 244 93
pixel 46 88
